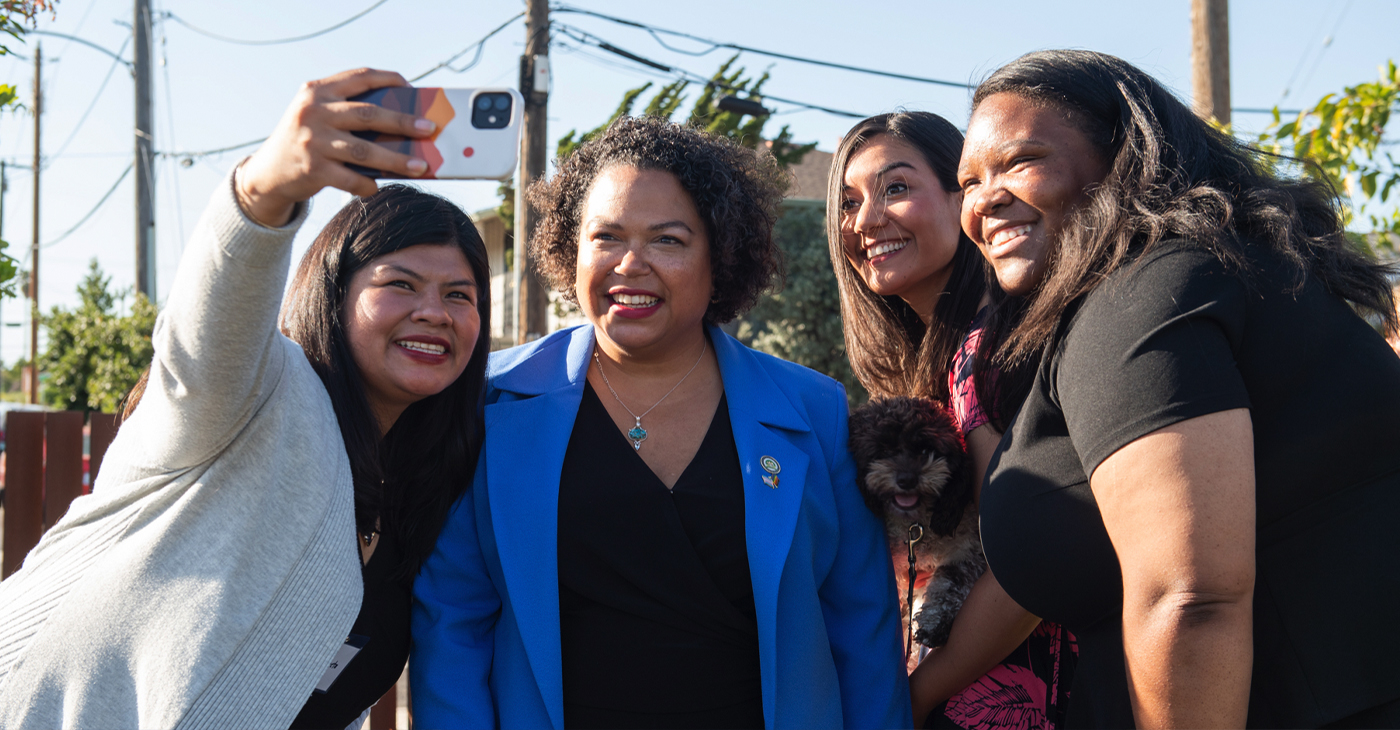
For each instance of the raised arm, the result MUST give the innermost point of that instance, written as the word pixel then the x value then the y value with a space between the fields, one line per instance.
pixel 216 351
pixel 1178 504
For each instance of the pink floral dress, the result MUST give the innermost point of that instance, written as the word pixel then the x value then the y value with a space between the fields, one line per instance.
pixel 1030 688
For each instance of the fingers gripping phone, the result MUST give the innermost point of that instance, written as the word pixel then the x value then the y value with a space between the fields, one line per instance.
pixel 477 137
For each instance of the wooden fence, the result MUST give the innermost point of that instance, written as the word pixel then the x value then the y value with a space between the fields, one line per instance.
pixel 44 473
pixel 44 470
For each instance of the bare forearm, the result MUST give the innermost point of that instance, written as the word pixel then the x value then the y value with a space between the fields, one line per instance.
pixel 1189 661
pixel 988 627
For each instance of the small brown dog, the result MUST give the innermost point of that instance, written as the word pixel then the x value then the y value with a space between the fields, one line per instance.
pixel 913 470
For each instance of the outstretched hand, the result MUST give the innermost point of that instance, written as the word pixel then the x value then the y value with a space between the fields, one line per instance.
pixel 310 147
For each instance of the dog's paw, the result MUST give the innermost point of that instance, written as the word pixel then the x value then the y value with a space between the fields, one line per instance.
pixel 933 628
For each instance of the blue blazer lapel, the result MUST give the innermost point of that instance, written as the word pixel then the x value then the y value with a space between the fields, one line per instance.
pixel 765 424
pixel 527 434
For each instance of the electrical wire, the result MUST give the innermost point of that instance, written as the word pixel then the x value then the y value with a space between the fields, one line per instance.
pixel 167 15
pixel 210 153
pixel 91 105
pixel 94 210
pixel 479 45
pixel 656 34
pixel 586 38
pixel 1327 43
pixel 653 30
pixel 170 120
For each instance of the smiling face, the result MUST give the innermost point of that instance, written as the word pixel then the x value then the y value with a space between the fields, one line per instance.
pixel 412 322
pixel 1024 170
pixel 643 276
pixel 899 227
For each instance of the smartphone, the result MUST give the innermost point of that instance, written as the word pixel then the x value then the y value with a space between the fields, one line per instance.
pixel 478 131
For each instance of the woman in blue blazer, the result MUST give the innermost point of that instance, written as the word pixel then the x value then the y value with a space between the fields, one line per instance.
pixel 663 528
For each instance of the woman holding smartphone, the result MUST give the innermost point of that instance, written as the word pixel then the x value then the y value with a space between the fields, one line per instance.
pixel 273 492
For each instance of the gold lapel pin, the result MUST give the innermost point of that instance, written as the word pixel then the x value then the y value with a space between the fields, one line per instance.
pixel 771 466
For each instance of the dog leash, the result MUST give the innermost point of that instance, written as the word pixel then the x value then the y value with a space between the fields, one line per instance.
pixel 916 533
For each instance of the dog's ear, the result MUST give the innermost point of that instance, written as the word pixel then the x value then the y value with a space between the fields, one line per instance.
pixel 864 446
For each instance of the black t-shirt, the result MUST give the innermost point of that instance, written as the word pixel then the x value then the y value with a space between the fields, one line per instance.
pixel 383 620
pixel 1171 337
pixel 657 627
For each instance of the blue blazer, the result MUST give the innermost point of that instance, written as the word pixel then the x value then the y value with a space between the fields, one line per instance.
pixel 486 604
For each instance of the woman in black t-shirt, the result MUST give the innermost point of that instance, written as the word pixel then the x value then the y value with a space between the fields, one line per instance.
pixel 1201 483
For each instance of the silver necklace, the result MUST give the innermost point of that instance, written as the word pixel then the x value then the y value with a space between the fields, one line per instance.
pixel 638 434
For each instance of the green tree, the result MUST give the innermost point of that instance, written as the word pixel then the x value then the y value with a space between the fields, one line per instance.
pixel 1343 134
pixel 705 113
pixel 802 322
pixel 16 19
pixel 95 353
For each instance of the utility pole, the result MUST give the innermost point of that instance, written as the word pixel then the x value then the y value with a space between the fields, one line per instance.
pixel 33 369
pixel 1210 59
pixel 532 296
pixel 145 155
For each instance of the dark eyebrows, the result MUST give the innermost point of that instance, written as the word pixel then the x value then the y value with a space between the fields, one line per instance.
pixel 882 172
pixel 414 275
pixel 1031 141
pixel 671 224
pixel 892 167
pixel 602 222
pixel 410 273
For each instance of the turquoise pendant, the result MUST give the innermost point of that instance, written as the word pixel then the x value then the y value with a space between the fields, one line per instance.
pixel 638 435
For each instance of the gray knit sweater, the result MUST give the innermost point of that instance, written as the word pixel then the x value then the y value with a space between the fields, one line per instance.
pixel 213 573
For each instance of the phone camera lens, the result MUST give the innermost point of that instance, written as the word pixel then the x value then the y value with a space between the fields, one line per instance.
pixel 491 111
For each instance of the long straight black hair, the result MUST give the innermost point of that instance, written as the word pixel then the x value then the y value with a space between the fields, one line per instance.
pixel 1171 175
pixel 891 350
pixel 408 479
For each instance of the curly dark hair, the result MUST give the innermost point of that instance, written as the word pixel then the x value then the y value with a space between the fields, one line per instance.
pixel 736 191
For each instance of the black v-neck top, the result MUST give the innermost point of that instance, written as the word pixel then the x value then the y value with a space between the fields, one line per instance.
pixel 383 621
pixel 656 609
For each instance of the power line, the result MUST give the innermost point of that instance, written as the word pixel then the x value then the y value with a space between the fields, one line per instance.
pixel 76 39
pixel 1326 44
pixel 586 38
pixel 91 105
pixel 653 30
pixel 656 33
pixel 167 15
pixel 479 45
pixel 95 208
pixel 209 153
pixel 1262 110
pixel 170 117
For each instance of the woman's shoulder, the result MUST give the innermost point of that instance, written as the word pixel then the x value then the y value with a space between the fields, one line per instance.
pixel 1170 279
pixel 538 365
pixel 761 377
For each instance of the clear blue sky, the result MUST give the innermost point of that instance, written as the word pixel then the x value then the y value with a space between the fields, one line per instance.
pixel 211 94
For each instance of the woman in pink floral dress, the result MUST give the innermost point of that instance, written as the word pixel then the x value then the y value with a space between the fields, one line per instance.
pixel 915 302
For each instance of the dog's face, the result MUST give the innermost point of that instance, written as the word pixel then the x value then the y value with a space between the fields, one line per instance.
pixel 910 462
